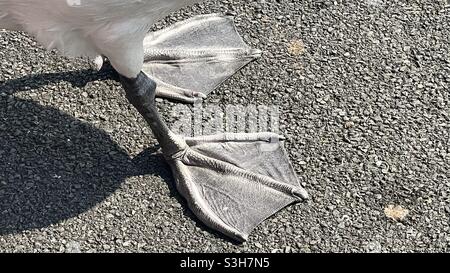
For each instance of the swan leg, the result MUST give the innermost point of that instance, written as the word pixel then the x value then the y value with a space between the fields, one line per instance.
pixel 231 182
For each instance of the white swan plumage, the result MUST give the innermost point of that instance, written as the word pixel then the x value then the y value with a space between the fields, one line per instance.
pixel 112 28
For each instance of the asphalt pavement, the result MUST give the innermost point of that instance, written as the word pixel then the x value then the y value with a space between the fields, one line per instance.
pixel 363 93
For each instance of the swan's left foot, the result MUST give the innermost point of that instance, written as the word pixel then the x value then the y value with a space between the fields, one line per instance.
pixel 232 182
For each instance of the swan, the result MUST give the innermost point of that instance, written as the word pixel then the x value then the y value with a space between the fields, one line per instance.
pixel 112 28
pixel 232 181
pixel 118 30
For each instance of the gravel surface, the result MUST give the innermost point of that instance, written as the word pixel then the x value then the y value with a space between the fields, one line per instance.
pixel 364 92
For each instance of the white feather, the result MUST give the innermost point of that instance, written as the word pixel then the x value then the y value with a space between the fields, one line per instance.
pixel 114 28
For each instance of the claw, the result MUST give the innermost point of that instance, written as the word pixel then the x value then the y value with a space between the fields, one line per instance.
pixel 199 95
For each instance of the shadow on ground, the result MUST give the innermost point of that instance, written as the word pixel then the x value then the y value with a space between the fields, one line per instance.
pixel 54 167
pixel 77 78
